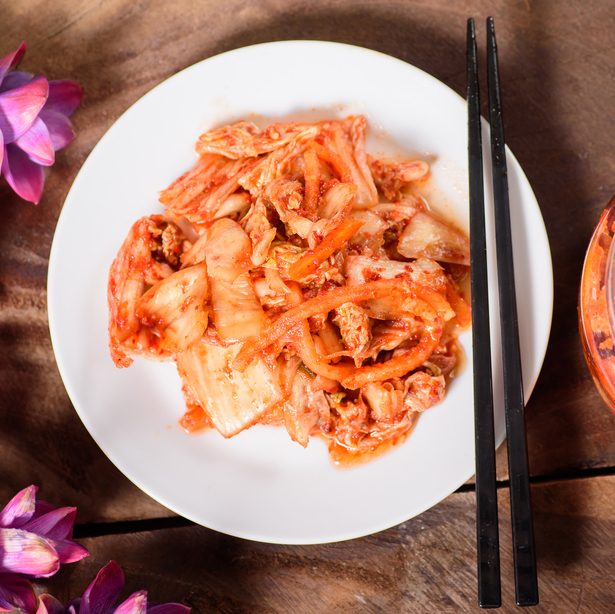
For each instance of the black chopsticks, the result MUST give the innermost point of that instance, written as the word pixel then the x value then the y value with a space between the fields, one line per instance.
pixel 526 584
pixel 488 545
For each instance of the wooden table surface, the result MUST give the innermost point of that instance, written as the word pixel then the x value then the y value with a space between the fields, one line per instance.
pixel 557 63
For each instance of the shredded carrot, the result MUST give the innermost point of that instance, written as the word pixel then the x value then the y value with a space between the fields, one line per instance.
pixel 312 183
pixel 336 239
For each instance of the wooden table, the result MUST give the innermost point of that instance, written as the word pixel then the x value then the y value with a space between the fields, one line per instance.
pixel 557 60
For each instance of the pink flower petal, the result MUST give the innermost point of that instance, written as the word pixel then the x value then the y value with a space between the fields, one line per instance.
pixel 27 553
pixel 36 142
pixel 135 604
pixel 16 593
pixel 64 96
pixel 59 126
pixel 169 608
pixel 69 551
pixel 103 591
pixel 16 78
pixel 56 524
pixel 42 507
pixel 49 605
pixel 12 59
pixel 24 176
pixel 19 107
pixel 21 507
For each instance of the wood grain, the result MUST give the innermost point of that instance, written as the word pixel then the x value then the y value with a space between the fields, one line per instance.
pixel 559 93
pixel 557 62
pixel 424 565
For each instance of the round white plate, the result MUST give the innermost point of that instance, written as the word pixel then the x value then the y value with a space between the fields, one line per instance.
pixel 260 485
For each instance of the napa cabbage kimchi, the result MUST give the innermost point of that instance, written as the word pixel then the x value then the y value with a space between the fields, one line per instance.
pixel 298 281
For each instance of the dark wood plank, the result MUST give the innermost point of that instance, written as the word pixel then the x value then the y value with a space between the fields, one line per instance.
pixel 424 565
pixel 557 64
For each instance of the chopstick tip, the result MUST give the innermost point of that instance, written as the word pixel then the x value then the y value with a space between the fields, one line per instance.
pixel 491 42
pixel 471 37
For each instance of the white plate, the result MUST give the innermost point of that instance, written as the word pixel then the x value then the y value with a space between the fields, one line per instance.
pixel 260 485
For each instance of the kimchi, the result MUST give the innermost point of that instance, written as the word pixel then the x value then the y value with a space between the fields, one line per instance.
pixel 298 281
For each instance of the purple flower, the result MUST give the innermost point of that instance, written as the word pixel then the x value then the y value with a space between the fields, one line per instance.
pixel 102 594
pixel 35 539
pixel 34 124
